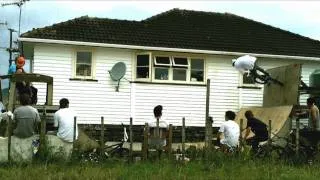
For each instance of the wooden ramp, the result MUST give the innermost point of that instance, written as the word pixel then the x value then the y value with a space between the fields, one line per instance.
pixel 279 116
pixel 288 94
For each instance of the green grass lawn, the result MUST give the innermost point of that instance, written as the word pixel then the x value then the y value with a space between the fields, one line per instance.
pixel 213 166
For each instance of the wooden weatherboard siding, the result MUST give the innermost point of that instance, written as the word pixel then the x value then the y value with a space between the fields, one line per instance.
pixel 224 93
pixel 91 100
pixel 178 101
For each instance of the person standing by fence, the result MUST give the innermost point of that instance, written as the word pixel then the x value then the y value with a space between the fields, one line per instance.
pixel 163 128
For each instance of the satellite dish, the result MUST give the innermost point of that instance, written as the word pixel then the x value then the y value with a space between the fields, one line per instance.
pixel 117 72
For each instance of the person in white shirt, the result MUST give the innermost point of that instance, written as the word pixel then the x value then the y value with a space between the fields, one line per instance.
pixel 229 133
pixel 247 64
pixel 64 120
pixel 163 128
pixel 244 63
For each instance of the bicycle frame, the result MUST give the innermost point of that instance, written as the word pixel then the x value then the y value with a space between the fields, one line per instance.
pixel 117 148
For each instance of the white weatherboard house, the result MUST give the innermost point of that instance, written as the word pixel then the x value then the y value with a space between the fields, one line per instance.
pixel 168 58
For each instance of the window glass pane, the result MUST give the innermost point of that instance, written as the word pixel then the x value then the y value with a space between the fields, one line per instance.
pixel 84 57
pixel 142 72
pixel 181 61
pixel 142 66
pixel 143 60
pixel 246 79
pixel 83 70
pixel 179 74
pixel 162 60
pixel 196 76
pixel 197 64
pixel 161 73
pixel 83 63
pixel 197 70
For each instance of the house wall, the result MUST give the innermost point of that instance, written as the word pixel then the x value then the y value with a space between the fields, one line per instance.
pixel 92 100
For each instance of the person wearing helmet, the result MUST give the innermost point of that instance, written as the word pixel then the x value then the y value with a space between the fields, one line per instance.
pixel 23 87
pixel 19 63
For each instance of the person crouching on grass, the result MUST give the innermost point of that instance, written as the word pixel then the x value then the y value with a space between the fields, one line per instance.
pixel 229 133
pixel 258 128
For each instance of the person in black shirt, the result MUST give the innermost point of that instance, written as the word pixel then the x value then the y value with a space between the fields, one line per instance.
pixel 258 128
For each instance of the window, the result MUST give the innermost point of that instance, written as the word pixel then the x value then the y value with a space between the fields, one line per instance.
pixel 143 65
pixel 162 61
pixel 162 65
pixel 83 64
pixel 197 70
pixel 180 67
pixel 161 73
pixel 180 62
pixel 179 74
pixel 166 68
pixel 247 79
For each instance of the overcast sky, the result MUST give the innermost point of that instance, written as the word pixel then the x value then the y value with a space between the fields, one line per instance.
pixel 301 17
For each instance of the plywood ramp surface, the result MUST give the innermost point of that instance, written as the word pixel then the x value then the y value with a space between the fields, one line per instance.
pixel 276 95
pixel 279 116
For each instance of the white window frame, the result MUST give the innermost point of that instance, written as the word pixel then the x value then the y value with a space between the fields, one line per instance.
pixel 93 64
pixel 135 66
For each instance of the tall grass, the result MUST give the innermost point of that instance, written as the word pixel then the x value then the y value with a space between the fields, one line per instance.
pixel 203 165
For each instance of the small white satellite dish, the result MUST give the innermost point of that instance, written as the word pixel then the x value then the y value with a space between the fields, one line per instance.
pixel 117 72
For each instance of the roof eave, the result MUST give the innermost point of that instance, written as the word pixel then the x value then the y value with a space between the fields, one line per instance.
pixel 150 48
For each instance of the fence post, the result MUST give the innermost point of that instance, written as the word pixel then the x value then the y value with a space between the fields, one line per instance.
pixel 269 136
pixel 102 136
pixel 183 133
pixel 207 113
pixel 74 131
pixel 170 141
pixel 9 138
pixel 297 136
pixel 43 130
pixel 241 138
pixel 158 138
pixel 209 132
pixel 145 142
pixel 131 140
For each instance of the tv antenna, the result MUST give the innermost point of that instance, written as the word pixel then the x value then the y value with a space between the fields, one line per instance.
pixel 117 72
pixel 19 4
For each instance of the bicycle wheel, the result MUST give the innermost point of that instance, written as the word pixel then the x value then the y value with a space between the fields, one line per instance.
pixel 124 152
pixel 119 152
